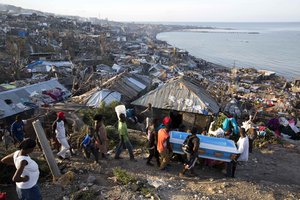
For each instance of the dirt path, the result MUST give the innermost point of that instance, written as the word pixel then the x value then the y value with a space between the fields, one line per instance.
pixel 270 173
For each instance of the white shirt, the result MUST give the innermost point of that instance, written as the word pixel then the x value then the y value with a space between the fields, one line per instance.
pixel 60 129
pixel 31 170
pixel 243 148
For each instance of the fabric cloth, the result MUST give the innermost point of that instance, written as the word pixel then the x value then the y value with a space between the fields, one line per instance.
pixel 60 129
pixel 243 148
pixel 167 120
pixel 192 156
pixel 103 143
pixel 29 194
pixel 61 138
pixel 31 170
pixel 64 147
pixel 123 133
pixel 89 147
pixel 162 137
pixel 165 157
pixel 61 115
pixel 87 141
pixel 128 146
pixel 191 160
pixel 17 129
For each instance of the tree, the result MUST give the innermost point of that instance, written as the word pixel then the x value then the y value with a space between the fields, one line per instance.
pixel 15 48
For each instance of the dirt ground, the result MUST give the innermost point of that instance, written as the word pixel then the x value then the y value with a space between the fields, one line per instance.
pixel 270 173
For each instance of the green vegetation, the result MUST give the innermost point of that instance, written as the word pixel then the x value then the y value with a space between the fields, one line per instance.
pixel 122 176
pixel 269 138
pixel 219 121
pixel 108 111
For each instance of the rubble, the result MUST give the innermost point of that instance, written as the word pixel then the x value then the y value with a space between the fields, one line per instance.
pixel 110 61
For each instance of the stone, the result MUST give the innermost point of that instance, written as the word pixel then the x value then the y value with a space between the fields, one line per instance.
pixel 85 189
pixel 96 188
pixel 82 185
pixel 91 179
pixel 66 179
pixel 134 187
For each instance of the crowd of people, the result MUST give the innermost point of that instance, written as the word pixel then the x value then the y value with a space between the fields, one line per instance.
pixel 95 142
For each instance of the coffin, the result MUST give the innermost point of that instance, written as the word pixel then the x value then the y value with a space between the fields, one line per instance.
pixel 210 147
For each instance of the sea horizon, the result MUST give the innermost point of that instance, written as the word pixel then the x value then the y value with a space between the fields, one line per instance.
pixel 274 46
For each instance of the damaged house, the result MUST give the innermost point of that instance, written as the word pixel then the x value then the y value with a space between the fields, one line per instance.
pixel 187 102
pixel 124 87
pixel 28 98
pixel 130 86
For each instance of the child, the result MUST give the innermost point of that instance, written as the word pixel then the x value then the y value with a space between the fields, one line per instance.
pixel 7 138
pixel 88 145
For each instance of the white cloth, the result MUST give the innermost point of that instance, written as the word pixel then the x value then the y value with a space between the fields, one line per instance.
pixel 217 133
pixel 60 129
pixel 64 147
pixel 243 148
pixel 31 170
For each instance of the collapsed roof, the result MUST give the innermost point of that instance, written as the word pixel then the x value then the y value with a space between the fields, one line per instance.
pixel 182 94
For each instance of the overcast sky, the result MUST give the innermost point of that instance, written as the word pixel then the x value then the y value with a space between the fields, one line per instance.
pixel 171 10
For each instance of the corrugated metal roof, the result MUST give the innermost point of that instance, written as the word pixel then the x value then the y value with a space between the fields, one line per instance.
pixel 129 85
pixel 21 95
pixel 181 94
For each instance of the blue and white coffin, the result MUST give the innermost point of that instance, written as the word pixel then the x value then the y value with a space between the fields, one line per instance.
pixel 210 147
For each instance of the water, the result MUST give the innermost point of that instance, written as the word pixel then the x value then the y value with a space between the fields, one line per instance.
pixel 275 47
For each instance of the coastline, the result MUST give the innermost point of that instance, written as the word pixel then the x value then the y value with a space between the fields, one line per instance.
pixel 268 56
pixel 219 66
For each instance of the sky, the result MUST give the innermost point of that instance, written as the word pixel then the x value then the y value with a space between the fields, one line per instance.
pixel 171 10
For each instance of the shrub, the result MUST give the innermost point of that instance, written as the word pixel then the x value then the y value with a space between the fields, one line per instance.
pixel 108 111
pixel 122 176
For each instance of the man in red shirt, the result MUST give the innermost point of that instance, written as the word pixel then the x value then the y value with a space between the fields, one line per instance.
pixel 163 143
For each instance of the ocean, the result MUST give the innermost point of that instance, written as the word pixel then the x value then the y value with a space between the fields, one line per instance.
pixel 269 46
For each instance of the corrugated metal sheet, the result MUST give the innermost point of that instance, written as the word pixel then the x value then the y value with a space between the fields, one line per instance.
pixel 21 95
pixel 181 94
pixel 129 85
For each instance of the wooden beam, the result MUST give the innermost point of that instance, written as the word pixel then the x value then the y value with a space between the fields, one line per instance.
pixel 46 149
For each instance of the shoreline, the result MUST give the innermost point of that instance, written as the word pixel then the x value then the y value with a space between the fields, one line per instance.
pixel 212 64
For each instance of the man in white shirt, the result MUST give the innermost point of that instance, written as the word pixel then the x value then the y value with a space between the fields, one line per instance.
pixel 58 128
pixel 243 149
pixel 243 146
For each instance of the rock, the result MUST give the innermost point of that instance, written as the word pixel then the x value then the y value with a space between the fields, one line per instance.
pixel 225 185
pixel 66 198
pixel 148 195
pixel 134 187
pixel 91 179
pixel 82 185
pixel 220 191
pixel 85 189
pixel 96 188
pixel 66 179
pixel 211 190
pixel 204 198
pixel 157 183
